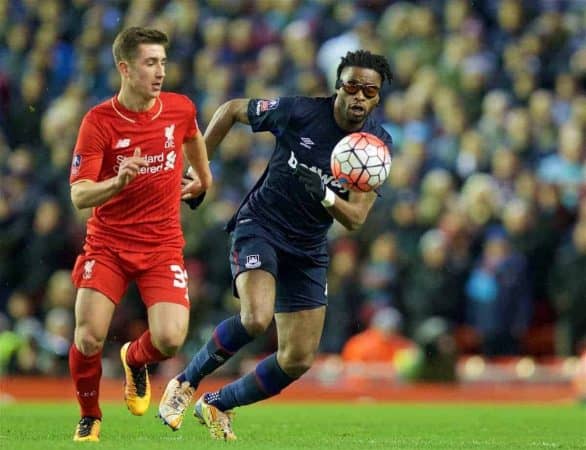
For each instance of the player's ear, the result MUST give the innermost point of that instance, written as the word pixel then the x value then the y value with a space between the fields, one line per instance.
pixel 123 68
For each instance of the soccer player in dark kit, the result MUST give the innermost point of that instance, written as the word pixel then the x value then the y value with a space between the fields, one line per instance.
pixel 279 256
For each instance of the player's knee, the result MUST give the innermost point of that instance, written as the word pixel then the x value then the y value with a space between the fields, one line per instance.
pixel 296 365
pixel 169 343
pixel 255 324
pixel 88 343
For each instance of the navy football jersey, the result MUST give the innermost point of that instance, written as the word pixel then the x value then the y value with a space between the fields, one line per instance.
pixel 306 133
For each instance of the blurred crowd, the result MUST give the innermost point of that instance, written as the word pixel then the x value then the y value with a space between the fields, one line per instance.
pixel 478 241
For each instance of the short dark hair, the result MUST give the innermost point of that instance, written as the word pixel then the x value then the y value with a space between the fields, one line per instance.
pixel 126 44
pixel 363 58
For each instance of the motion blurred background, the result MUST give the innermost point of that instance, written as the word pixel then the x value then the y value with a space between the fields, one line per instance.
pixel 472 265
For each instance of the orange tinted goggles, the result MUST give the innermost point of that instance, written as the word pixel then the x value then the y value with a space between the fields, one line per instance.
pixel 352 88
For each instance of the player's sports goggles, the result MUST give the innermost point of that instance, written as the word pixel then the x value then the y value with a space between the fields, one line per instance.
pixel 352 88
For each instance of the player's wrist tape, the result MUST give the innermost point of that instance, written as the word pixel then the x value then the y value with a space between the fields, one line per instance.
pixel 329 199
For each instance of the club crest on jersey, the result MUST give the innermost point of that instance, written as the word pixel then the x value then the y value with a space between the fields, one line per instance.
pixel 266 105
pixel 252 261
pixel 169 136
pixel 76 164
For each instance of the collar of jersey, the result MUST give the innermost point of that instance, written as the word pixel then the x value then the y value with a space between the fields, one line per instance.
pixel 136 116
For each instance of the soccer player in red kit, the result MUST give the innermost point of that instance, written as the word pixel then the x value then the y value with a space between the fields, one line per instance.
pixel 127 166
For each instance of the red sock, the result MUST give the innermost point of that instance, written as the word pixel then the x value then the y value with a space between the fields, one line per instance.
pixel 86 372
pixel 142 351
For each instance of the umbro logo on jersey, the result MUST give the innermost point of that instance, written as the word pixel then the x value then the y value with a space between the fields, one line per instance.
pixel 306 142
pixel 122 143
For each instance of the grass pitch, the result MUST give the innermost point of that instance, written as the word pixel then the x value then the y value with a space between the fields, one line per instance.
pixel 278 426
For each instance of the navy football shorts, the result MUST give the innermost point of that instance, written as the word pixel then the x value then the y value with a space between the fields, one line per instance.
pixel 301 284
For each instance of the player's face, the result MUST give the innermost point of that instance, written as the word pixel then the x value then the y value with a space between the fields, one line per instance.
pixel 357 96
pixel 145 74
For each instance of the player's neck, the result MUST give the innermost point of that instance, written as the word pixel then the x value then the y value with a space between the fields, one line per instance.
pixel 133 102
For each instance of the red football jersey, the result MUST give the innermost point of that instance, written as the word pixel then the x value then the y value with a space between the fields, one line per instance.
pixel 145 214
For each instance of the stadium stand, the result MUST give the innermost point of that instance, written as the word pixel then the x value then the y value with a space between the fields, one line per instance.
pixel 478 239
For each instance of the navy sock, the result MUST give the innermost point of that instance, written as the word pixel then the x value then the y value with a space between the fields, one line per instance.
pixel 267 380
pixel 228 337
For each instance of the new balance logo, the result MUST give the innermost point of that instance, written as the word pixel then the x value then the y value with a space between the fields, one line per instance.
pixel 122 143
pixel 306 142
pixel 169 136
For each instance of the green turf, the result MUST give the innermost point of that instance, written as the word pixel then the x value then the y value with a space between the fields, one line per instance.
pixel 311 426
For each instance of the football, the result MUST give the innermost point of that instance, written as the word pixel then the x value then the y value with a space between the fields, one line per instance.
pixel 361 162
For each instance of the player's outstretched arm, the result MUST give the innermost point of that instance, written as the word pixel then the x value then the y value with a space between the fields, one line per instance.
pixel 352 213
pixel 223 119
pixel 88 194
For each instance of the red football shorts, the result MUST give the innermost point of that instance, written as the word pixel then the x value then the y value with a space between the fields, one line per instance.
pixel 160 276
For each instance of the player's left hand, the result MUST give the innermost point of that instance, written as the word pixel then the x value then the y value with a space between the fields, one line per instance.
pixel 312 181
pixel 192 191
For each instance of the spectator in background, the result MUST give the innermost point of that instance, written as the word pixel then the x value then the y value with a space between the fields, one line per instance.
pixel 565 169
pixel 26 109
pixel 46 242
pixel 432 287
pixel 344 314
pixel 499 296
pixel 567 286
pixel 382 341
pixel 435 339
pixel 505 168
pixel 534 239
pixel 491 123
pixel 403 218
pixel 380 278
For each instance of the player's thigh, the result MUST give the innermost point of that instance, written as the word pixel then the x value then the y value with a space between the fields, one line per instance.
pixel 299 334
pixel 162 277
pixel 101 269
pixel 254 268
pixel 257 293
pixel 302 285
pixel 93 314
pixel 101 282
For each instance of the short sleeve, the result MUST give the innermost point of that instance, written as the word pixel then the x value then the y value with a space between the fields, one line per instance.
pixel 88 152
pixel 270 114
pixel 386 138
pixel 192 126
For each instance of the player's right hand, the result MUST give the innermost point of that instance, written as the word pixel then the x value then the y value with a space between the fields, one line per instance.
pixel 313 183
pixel 129 168
pixel 191 190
